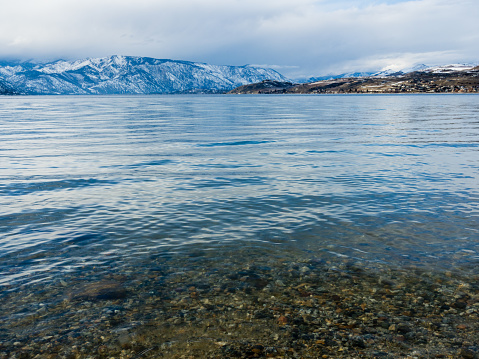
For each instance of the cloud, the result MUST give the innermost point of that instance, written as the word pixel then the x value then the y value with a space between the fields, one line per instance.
pixel 302 37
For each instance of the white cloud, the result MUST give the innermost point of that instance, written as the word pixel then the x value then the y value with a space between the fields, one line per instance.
pixel 303 37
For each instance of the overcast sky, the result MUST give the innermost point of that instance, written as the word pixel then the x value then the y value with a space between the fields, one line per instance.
pixel 296 37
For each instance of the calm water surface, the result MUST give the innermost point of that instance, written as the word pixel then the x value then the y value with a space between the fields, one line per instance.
pixel 111 182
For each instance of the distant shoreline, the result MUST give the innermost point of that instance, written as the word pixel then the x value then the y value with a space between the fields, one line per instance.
pixel 414 82
pixel 233 93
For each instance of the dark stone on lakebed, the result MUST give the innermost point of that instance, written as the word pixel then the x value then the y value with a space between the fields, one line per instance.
pixel 103 290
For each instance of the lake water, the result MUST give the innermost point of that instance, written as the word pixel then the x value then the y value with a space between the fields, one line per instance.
pixel 110 182
pixel 239 226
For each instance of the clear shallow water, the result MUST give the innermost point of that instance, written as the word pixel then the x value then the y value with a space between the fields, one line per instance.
pixel 111 182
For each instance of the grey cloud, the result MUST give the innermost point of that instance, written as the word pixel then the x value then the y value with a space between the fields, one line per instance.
pixel 304 37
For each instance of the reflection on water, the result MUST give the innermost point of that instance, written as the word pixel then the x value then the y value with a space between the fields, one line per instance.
pixel 111 182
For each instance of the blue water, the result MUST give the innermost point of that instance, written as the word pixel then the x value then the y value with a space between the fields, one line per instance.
pixel 111 182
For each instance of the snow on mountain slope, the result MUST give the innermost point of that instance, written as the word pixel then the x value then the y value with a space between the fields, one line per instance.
pixel 431 69
pixel 387 72
pixel 451 68
pixel 129 75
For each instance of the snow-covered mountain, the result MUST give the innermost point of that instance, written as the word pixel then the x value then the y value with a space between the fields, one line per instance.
pixel 391 72
pixel 127 75
pixel 450 68
pixel 427 69
pixel 334 77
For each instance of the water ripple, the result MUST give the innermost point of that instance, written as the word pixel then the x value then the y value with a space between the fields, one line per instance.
pixel 109 182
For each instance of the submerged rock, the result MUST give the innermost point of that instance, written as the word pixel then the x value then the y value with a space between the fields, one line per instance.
pixel 103 290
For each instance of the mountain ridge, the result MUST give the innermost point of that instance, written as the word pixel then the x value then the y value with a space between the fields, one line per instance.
pixel 393 72
pixel 126 75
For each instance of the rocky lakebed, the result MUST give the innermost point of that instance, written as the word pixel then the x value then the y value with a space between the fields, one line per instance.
pixel 263 307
